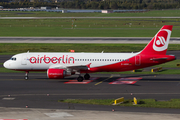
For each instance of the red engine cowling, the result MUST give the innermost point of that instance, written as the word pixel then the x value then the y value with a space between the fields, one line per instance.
pixel 56 73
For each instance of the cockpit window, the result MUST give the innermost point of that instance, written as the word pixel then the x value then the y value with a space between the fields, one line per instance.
pixel 14 59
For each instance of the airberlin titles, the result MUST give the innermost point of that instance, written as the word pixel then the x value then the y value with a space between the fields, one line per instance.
pixel 65 59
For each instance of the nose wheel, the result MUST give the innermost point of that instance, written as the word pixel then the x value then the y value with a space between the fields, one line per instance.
pixel 26 75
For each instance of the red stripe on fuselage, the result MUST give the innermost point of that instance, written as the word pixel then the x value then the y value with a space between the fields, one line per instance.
pixel 145 61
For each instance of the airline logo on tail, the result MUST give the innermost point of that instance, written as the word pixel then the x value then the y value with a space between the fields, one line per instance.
pixel 161 40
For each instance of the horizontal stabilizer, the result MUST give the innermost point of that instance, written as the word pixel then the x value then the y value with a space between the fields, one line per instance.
pixel 156 59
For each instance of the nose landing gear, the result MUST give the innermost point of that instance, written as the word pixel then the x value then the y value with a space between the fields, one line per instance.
pixel 26 75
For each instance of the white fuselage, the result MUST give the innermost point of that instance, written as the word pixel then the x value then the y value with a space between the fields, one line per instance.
pixel 44 61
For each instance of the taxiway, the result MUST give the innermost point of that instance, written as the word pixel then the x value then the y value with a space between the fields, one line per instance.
pixel 41 96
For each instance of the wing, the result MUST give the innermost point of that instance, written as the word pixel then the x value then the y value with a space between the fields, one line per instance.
pixel 72 68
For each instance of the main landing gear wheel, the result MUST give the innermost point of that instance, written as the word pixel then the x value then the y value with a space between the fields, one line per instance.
pixel 80 79
pixel 86 76
pixel 26 75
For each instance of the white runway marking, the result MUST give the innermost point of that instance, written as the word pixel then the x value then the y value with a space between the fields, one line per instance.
pixel 58 115
pixel 8 98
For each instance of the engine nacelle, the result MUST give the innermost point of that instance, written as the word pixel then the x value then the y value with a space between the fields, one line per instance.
pixel 56 73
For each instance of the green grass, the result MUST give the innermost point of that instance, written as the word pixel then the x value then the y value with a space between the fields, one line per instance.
pixel 171 64
pixel 89 101
pixel 86 27
pixel 173 103
pixel 14 48
pixel 60 32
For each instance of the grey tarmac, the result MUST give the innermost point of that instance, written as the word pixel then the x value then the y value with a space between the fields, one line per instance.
pixel 59 114
pixel 36 98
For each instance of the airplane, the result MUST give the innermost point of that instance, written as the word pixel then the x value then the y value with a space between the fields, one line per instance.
pixel 59 64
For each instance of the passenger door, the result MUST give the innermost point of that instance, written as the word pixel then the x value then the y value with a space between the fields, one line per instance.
pixel 24 60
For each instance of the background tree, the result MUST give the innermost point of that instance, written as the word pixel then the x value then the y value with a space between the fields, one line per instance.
pixel 113 5
pixel 95 4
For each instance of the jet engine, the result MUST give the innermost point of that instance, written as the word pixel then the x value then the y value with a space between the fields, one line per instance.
pixel 56 73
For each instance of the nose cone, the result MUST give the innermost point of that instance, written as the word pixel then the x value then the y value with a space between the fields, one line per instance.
pixel 6 64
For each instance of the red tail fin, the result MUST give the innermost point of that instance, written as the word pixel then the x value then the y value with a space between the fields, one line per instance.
pixel 159 43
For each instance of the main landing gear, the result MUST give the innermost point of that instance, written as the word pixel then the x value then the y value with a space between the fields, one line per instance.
pixel 86 77
pixel 26 75
pixel 80 78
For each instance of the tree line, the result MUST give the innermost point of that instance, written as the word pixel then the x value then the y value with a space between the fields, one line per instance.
pixel 95 4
